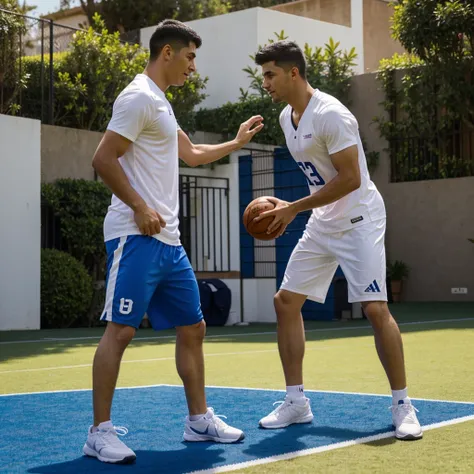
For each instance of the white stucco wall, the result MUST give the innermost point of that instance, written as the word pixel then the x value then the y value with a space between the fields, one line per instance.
pixel 229 40
pixel 20 215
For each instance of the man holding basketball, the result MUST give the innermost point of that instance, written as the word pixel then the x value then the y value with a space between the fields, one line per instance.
pixel 147 267
pixel 346 228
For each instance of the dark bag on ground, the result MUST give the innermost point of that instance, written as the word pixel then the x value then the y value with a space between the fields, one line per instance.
pixel 216 299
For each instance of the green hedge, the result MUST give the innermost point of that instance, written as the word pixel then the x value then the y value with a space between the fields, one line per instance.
pixel 81 206
pixel 227 119
pixel 66 289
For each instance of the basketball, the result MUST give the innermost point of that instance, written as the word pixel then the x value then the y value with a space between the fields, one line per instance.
pixel 258 230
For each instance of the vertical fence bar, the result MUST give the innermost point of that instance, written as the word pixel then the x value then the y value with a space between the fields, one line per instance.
pixel 202 225
pixel 208 228
pixel 221 239
pixel 42 70
pixel 196 226
pixel 20 69
pixel 214 227
pixel 227 193
pixel 51 73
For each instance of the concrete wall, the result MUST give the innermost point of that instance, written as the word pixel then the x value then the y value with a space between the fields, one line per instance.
pixel 21 224
pixel 331 11
pixel 67 153
pixel 428 222
pixel 428 227
pixel 229 40
pixel 378 42
pixel 314 32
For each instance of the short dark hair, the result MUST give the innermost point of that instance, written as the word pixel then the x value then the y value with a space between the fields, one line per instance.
pixel 174 33
pixel 286 54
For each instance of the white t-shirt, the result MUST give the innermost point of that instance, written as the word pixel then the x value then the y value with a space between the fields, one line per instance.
pixel 327 127
pixel 143 115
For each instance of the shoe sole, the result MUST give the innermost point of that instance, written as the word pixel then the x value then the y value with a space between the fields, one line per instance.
pixel 305 419
pixel 409 437
pixel 196 438
pixel 93 454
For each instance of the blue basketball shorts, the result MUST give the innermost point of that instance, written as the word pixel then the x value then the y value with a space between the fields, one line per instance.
pixel 145 275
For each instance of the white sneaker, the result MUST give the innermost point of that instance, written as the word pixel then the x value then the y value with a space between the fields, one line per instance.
pixel 106 447
pixel 287 413
pixel 211 428
pixel 407 426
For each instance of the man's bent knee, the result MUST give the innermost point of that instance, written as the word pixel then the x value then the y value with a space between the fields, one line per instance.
pixel 287 302
pixel 120 333
pixel 377 312
pixel 194 332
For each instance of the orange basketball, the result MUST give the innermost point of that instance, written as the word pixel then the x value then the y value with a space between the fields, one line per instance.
pixel 258 230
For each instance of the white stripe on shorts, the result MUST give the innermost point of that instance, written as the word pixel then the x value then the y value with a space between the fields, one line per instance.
pixel 110 293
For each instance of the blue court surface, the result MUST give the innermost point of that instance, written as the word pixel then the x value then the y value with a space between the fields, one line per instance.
pixel 45 432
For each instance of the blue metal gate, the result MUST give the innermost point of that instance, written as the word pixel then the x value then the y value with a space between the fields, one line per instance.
pixel 275 173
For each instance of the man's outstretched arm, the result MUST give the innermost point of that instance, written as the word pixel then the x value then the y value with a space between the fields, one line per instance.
pixel 195 155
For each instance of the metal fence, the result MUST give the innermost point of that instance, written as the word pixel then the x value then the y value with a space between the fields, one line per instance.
pixel 262 184
pixel 442 156
pixel 204 223
pixel 270 173
pixel 28 45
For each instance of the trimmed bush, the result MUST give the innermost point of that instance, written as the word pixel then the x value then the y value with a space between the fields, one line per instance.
pixel 66 289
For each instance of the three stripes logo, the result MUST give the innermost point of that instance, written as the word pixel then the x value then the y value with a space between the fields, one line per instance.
pixel 373 288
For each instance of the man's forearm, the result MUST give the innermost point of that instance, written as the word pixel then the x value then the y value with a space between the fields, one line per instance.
pixel 336 189
pixel 209 153
pixel 115 178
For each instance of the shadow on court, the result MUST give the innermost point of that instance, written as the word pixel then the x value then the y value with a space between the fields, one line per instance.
pixel 199 457
pixel 412 317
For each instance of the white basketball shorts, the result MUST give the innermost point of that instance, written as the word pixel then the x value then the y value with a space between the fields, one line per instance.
pixel 360 252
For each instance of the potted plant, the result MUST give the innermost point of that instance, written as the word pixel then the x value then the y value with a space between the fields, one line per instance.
pixel 397 271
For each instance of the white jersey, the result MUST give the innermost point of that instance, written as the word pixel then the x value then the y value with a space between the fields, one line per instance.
pixel 327 127
pixel 143 115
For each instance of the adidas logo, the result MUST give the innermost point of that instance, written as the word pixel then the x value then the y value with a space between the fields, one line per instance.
pixel 373 288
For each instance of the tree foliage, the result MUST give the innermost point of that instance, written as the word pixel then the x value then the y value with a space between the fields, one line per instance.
pixel 437 31
pixel 89 77
pixel 127 15
pixel 12 41
pixel 430 90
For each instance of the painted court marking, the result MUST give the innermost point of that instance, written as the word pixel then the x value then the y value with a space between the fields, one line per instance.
pixel 158 359
pixel 295 454
pixel 230 335
pixel 331 447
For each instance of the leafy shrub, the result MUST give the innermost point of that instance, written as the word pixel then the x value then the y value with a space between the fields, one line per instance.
pixel 81 206
pixel 89 77
pixel 66 289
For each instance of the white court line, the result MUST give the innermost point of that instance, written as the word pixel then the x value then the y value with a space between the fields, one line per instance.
pixel 236 388
pixel 230 335
pixel 331 447
pixel 158 359
pixel 321 391
pixel 76 390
